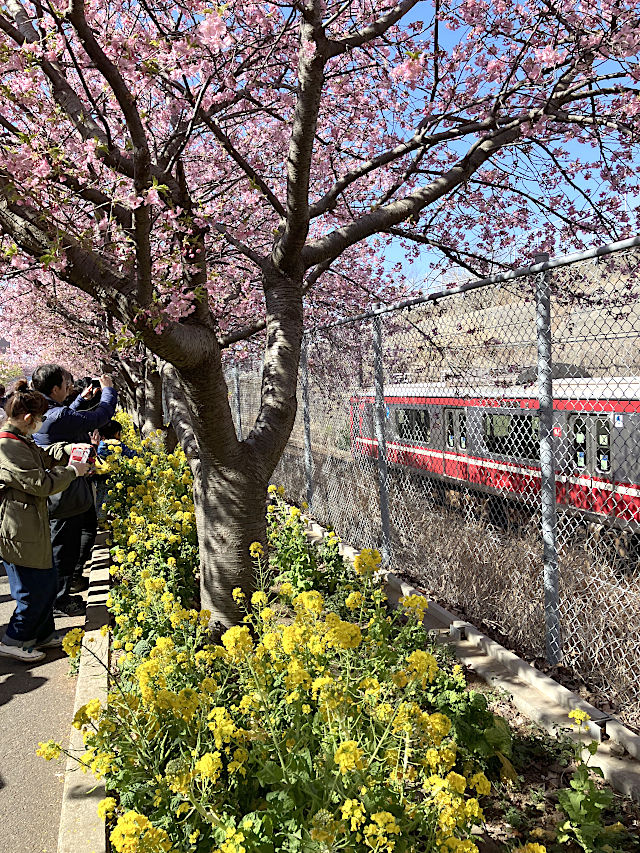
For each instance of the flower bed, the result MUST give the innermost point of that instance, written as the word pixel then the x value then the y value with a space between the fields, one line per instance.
pixel 324 722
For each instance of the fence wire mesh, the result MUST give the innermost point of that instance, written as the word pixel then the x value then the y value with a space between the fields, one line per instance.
pixel 429 436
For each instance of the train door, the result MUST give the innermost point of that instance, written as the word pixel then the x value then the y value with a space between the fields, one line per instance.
pixel 590 442
pixel 455 443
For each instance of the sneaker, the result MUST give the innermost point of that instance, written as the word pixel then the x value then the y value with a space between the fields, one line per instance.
pixel 72 607
pixel 79 584
pixel 54 642
pixel 30 655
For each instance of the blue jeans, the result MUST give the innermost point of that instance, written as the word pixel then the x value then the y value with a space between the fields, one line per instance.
pixel 34 591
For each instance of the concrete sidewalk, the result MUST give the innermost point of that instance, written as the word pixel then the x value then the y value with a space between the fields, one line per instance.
pixel 36 704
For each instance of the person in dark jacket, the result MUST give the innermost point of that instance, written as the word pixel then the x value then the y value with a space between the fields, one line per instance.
pixel 28 475
pixel 73 536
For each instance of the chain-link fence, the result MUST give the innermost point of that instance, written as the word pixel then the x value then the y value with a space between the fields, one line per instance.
pixel 488 442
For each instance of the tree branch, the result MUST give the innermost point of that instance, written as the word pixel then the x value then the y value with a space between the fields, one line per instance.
pixel 419 140
pixel 184 344
pixel 447 251
pixel 249 331
pixel 383 218
pixel 257 259
pixel 141 155
pixel 373 31
pixel 246 167
pixel 305 121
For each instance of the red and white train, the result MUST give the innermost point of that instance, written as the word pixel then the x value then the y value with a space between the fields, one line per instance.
pixel 486 438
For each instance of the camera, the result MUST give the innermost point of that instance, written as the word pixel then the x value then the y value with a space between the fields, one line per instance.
pixel 95 384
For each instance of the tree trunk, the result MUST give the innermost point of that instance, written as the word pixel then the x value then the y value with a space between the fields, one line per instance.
pixel 152 419
pixel 170 438
pixel 230 487
pixel 138 415
pixel 230 507
pixel 229 496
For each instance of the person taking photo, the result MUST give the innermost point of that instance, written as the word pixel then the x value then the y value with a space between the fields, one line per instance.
pixel 72 515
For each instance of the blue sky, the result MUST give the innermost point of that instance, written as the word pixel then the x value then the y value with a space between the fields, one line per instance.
pixel 522 250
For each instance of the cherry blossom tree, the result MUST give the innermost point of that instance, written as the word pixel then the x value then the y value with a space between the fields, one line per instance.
pixel 214 176
pixel 60 324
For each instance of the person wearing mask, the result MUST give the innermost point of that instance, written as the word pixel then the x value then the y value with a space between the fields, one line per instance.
pixel 28 476
pixel 72 516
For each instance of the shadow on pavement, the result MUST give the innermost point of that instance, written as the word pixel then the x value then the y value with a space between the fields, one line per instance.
pixel 21 679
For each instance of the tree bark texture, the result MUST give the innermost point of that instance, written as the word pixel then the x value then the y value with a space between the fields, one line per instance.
pixel 231 476
pixel 152 419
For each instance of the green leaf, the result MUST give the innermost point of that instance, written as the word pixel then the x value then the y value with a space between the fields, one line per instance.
pixel 499 736
pixel 270 774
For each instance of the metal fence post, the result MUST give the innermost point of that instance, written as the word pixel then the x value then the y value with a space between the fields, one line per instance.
pixel 379 419
pixel 547 465
pixel 236 395
pixel 306 420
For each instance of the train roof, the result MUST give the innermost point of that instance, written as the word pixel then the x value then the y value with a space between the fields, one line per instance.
pixel 603 388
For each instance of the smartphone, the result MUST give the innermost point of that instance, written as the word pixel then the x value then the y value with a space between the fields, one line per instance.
pixel 79 454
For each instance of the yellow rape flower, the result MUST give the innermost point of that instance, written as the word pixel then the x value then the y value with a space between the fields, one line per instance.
pixel 422 665
pixel 377 832
pixel 311 602
pixel 353 811
pixel 256 549
pixel 72 642
pixel 237 641
pixel 354 600
pixel 480 782
pixel 48 750
pixel 344 635
pixel 581 717
pixel 348 756
pixel 415 606
pixel 209 766
pixel 134 833
pixel 367 562
pixel 106 807
pixel 531 847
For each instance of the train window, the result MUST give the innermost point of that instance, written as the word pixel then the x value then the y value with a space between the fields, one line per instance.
pixel 526 436
pixel 413 425
pixel 580 443
pixel 591 439
pixel 403 423
pixel 603 445
pixel 451 435
pixel 516 435
pixel 421 426
pixel 462 430
pixel 496 433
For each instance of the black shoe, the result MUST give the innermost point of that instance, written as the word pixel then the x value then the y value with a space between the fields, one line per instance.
pixel 71 607
pixel 79 584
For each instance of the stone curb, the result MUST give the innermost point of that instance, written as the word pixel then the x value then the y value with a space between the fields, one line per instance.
pixel 81 829
pixel 535 694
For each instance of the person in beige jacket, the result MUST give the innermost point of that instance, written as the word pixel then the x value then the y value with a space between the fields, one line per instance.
pixel 28 475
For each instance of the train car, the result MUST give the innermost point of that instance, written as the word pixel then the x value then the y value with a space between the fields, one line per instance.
pixel 487 439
